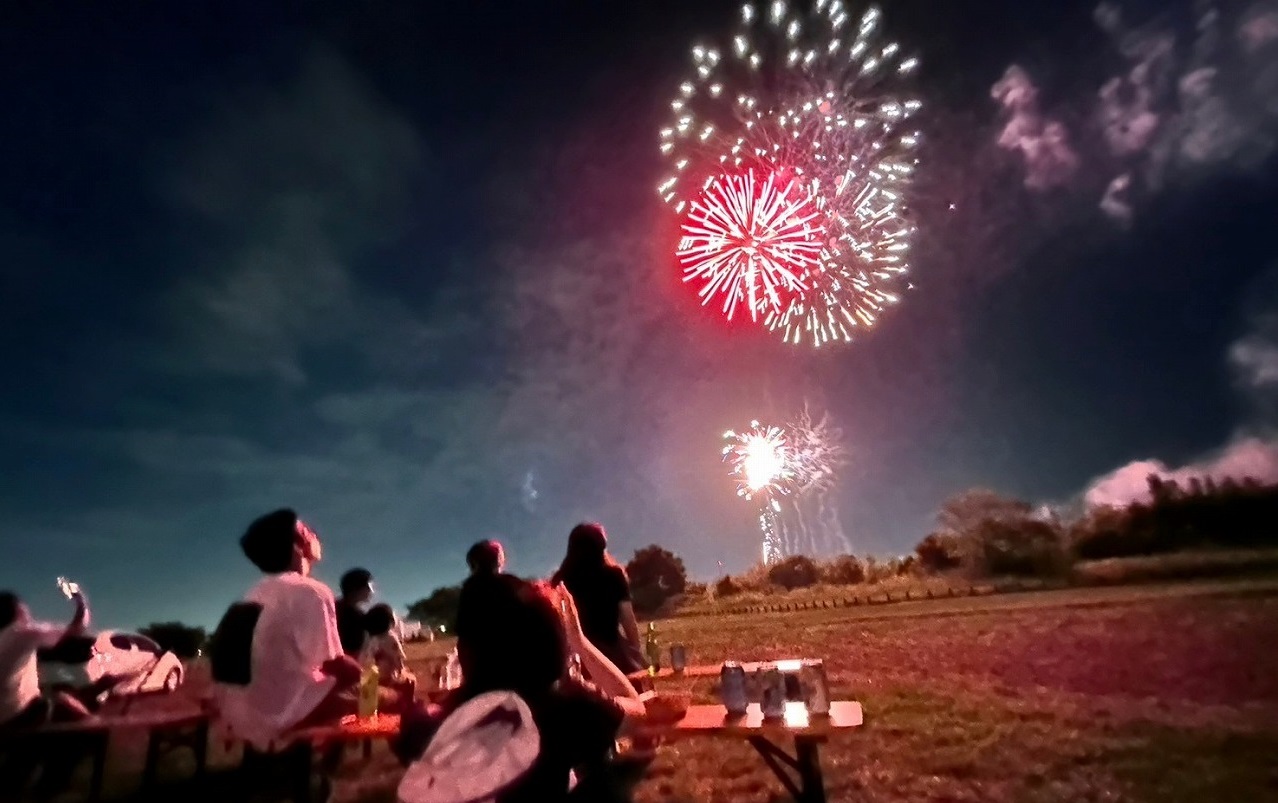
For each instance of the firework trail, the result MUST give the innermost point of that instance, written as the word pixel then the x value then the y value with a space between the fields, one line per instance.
pixel 811 99
pixel 789 472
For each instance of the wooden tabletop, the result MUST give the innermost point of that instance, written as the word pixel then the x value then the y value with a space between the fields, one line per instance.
pixel 713 720
pixel 352 727
pixel 712 670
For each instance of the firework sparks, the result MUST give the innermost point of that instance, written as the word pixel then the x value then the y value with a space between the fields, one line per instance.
pixel 751 241
pixel 760 459
pixel 788 471
pixel 808 97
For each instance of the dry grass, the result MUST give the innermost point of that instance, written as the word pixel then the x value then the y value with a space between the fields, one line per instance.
pixel 1150 694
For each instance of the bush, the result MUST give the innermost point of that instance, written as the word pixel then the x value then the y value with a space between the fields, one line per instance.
pixel 726 587
pixel 648 599
pixel 1019 549
pixel 844 570
pixel 939 552
pixel 796 571
pixel 654 566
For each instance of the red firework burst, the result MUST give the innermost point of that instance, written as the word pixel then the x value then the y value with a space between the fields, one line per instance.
pixel 751 241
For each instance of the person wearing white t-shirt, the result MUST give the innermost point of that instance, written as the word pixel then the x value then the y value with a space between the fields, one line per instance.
pixel 21 705
pixel 298 674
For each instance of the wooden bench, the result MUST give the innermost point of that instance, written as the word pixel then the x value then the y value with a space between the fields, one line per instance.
pixel 166 732
pixel 297 760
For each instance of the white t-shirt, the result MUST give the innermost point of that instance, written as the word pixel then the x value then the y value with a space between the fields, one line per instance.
pixel 19 676
pixel 295 635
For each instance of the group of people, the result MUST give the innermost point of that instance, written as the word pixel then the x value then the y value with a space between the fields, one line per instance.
pixel 289 655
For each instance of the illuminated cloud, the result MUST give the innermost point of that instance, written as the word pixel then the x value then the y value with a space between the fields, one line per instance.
pixel 1042 142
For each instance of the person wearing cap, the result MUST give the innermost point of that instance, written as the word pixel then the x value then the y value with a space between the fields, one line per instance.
pixel 520 643
pixel 357 589
pixel 295 672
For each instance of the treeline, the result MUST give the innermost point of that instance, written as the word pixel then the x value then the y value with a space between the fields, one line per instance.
pixel 980 534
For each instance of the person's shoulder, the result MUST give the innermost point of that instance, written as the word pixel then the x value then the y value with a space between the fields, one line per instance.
pixel 293 586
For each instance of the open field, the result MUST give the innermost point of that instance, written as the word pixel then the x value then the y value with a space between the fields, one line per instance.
pixel 1110 694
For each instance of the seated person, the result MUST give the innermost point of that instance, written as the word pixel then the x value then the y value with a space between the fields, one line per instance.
pixel 519 643
pixel 486 560
pixel 357 589
pixel 21 705
pixel 298 673
pixel 384 650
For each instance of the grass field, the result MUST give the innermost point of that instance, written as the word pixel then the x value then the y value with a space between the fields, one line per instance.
pixel 1156 693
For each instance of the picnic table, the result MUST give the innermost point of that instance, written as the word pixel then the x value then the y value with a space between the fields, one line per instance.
pixel 807 732
pixel 166 731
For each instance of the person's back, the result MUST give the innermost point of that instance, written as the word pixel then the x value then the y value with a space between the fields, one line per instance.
pixel 295 636
pixel 599 592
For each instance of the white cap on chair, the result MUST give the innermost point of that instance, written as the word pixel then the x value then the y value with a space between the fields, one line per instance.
pixel 483 748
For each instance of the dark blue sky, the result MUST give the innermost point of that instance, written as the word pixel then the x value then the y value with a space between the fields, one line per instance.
pixel 397 266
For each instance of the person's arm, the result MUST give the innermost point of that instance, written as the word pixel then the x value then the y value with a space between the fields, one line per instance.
pixel 80 619
pixel 602 671
pixel 626 609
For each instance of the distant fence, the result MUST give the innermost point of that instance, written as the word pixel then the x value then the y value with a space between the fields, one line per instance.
pixel 874 598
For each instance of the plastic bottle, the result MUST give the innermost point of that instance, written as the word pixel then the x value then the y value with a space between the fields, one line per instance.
pixel 368 681
pixel 452 671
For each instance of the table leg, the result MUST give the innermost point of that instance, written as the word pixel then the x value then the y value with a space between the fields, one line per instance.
pixel 99 767
pixel 811 781
pixel 303 760
pixel 152 758
pixel 201 749
pixel 778 761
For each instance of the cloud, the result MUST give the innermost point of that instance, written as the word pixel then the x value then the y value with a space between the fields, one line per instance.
pixel 292 184
pixel 1247 458
pixel 1042 142
pixel 1189 102
pixel 1253 452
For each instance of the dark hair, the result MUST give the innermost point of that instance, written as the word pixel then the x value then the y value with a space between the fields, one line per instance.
pixel 270 540
pixel 587 552
pixel 517 643
pixel 379 619
pixel 9 604
pixel 484 557
pixel 355 580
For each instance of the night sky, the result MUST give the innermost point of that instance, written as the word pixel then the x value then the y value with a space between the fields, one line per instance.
pixel 403 267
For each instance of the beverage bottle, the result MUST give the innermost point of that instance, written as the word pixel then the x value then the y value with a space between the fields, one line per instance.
pixel 652 648
pixel 452 671
pixel 368 681
pixel 68 588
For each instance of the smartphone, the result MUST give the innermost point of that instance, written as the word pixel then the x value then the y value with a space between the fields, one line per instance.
pixel 68 588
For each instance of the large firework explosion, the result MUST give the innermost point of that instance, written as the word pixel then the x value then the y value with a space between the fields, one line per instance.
pixel 809 98
pixel 788 471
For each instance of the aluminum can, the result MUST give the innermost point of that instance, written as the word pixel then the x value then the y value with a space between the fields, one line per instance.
pixel 732 688
pixel 772 692
pixel 678 658
pixel 816 688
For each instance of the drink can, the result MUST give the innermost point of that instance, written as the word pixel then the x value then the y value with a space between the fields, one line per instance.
pixel 732 688
pixel 772 692
pixel 816 688
pixel 678 658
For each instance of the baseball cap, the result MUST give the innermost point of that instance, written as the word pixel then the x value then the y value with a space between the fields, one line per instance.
pixel 481 750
